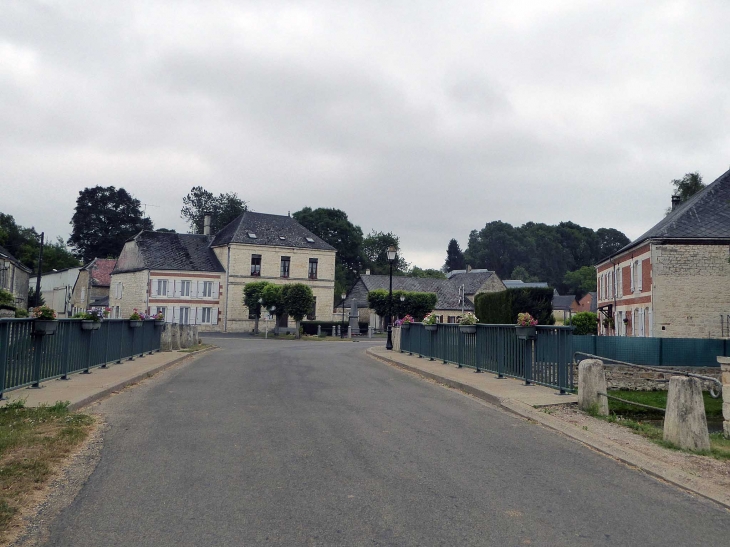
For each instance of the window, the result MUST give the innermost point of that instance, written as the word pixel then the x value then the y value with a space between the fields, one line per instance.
pixel 83 294
pixel 256 265
pixel 184 290
pixel 285 262
pixel 185 315
pixel 207 289
pixel 312 268
pixel 117 312
pixel 205 316
pixel 162 287
pixel 451 319
pixel 312 315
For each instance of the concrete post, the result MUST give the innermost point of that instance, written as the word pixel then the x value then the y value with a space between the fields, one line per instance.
pixel 370 331
pixel 174 336
pixel 591 382
pixel 334 331
pixel 349 331
pixel 166 337
pixel 319 330
pixel 685 423
pixel 725 379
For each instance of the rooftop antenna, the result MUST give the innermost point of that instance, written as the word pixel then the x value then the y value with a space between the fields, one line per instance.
pixel 144 211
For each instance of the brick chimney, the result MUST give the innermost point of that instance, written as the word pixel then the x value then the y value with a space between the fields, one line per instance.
pixel 676 200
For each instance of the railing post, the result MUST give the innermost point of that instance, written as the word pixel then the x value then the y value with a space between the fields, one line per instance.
pixel 501 351
pixel 430 345
pixel 477 350
pixel 66 351
pixel 460 354
pixel 37 352
pixel 88 352
pixel 528 362
pixel 106 346
pixel 121 343
pixel 4 343
pixel 134 339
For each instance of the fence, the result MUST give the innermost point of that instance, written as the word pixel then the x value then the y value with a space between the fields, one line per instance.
pixel 27 359
pixel 497 348
pixel 668 352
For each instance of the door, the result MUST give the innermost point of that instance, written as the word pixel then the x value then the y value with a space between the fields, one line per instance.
pixel 283 321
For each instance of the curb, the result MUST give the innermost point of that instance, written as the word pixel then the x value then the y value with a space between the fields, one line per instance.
pixel 628 456
pixel 134 380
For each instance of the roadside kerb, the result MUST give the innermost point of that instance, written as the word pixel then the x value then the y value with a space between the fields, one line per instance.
pixel 693 484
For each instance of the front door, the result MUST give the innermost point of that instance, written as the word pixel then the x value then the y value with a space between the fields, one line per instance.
pixel 283 321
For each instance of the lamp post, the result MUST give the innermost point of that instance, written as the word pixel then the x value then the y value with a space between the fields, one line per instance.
pixel 342 327
pixel 391 258
pixel 402 299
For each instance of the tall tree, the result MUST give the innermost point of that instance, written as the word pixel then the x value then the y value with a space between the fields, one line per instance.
pixel 272 300
pixel 335 228
pixel 253 298
pixel 454 257
pixel 610 241
pixel 375 248
pixel 23 244
pixel 104 218
pixel 580 281
pixel 223 208
pixel 427 272
pixel 688 185
pixel 298 301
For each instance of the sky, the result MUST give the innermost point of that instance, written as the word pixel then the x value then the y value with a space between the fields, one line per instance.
pixel 426 119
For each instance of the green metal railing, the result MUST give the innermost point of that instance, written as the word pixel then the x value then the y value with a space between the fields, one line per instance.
pixel 26 359
pixel 667 352
pixel 497 348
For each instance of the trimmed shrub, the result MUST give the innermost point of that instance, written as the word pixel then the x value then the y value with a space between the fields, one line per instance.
pixel 585 322
pixel 502 308
pixel 310 327
pixel 417 304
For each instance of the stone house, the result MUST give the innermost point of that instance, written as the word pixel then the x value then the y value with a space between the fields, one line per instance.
pixel 564 306
pixel 14 278
pixel 199 278
pixel 674 280
pixel 57 289
pixel 91 289
pixel 448 292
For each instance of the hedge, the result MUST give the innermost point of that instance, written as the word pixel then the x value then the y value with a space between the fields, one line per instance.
pixel 585 322
pixel 501 308
pixel 310 327
pixel 417 304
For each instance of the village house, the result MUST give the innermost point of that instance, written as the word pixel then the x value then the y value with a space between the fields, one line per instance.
pixel 674 280
pixel 14 278
pixel 199 278
pixel 91 288
pixel 57 288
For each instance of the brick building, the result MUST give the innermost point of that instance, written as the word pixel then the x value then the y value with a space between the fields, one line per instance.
pixel 674 280
pixel 199 278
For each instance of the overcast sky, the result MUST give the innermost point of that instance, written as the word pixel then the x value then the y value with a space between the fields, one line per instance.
pixel 428 119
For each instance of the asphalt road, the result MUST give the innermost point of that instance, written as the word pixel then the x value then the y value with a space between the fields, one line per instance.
pixel 313 443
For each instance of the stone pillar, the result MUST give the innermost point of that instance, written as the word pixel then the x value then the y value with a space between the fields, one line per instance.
pixel 725 379
pixel 591 382
pixel 166 337
pixel 196 334
pixel 319 330
pixel 174 336
pixel 685 423
pixel 334 331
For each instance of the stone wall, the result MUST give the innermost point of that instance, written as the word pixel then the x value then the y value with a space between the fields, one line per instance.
pixel 134 293
pixel 623 377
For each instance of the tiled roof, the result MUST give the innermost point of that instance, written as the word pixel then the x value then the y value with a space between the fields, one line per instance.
pixel 100 271
pixel 274 230
pixel 170 251
pixel 706 215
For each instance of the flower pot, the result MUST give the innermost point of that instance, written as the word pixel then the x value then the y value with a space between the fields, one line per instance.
pixel 44 326
pixel 468 329
pixel 405 326
pixel 159 323
pixel 431 328
pixel 526 333
pixel 135 324
pixel 88 324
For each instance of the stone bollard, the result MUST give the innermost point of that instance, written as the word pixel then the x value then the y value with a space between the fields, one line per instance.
pixel 174 336
pixel 349 332
pixel 725 379
pixel 186 336
pixel 334 331
pixel 370 331
pixel 685 423
pixel 319 330
pixel 166 337
pixel 591 382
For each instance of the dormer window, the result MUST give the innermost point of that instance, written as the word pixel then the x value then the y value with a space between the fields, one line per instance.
pixel 251 235
pixel 282 238
pixel 310 240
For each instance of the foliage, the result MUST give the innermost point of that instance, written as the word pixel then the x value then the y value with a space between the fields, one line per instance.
pixel 428 272
pixel 7 299
pixel 32 300
pixel 333 226
pixel 454 257
pixel 546 252
pixel 21 313
pixel 416 304
pixel 138 315
pixel 523 275
pixel 271 297
pixel 223 209
pixel 103 220
pixel 252 293
pixel 688 185
pixel 159 316
pixel 468 319
pixel 502 308
pixel 584 322
pixel 24 244
pixel 526 320
pixel 406 320
pixel 44 312
pixel 580 282
pixel 375 247
pixel 430 319
pixel 298 301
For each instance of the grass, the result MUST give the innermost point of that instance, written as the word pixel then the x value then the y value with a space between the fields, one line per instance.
pixel 196 348
pixel 713 407
pixel 32 442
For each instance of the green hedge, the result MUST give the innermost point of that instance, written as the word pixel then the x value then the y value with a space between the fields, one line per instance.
pixel 585 322
pixel 501 308
pixel 417 304
pixel 310 327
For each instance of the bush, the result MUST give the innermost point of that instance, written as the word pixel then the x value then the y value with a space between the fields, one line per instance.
pixel 502 308
pixel 7 302
pixel 20 313
pixel 310 327
pixel 585 322
pixel 417 304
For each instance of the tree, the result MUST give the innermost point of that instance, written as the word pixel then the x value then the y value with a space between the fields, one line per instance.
pixel 454 257
pixel 165 230
pixel 252 293
pixel 428 272
pixel 375 247
pixel 584 322
pixel 103 220
pixel 688 185
pixel 417 304
pixel 298 302
pixel 610 241
pixel 32 300
pixel 56 256
pixel 522 274
pixel 333 226
pixel 223 209
pixel 580 281
pixel 24 243
pixel 271 297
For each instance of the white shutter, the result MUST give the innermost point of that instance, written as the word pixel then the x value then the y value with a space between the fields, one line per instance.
pixel 194 289
pixel 176 314
pixel 214 290
pixel 640 280
pixel 168 314
pixel 153 287
pixel 201 288
pixel 619 282
pixel 651 323
pixel 153 310
pixel 176 292
pixel 170 286
pixel 214 314
pixel 632 277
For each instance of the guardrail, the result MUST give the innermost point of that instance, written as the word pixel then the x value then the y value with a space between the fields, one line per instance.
pixel 544 360
pixel 27 358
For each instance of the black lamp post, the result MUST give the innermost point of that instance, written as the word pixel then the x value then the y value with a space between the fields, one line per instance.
pixel 342 328
pixel 391 258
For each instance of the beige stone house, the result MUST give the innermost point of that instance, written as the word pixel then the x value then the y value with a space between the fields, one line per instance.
pixel 674 280
pixel 91 289
pixel 14 278
pixel 199 278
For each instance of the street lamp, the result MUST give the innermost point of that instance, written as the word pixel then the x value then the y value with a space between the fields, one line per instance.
pixel 402 299
pixel 391 258
pixel 342 328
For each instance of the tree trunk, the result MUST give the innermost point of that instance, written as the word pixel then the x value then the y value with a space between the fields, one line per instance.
pixel 276 325
pixel 298 333
pixel 256 325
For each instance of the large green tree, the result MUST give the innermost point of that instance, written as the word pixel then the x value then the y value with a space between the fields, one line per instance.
pixel 223 208
pixel 104 218
pixel 24 244
pixel 252 298
pixel 688 185
pixel 298 301
pixel 272 300
pixel 415 271
pixel 580 281
pixel 375 248
pixel 454 257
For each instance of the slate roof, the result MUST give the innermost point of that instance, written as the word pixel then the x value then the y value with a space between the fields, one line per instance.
pixel 706 215
pixel 563 302
pixel 169 251
pixel 6 254
pixel 269 230
pixel 100 271
pixel 519 284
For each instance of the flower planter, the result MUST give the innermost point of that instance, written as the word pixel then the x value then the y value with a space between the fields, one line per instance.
pixel 431 328
pixel 468 329
pixel 159 323
pixel 88 324
pixel 42 327
pixel 405 326
pixel 135 324
pixel 526 333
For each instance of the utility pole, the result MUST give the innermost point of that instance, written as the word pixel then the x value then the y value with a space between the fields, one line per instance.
pixel 38 279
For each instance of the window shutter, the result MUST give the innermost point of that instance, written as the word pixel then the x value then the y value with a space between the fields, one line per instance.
pixel 201 289
pixel 168 314
pixel 153 310
pixel 176 314
pixel 193 289
pixel 620 281
pixel 153 287
pixel 176 288
pixel 632 277
pixel 170 285
pixel 640 280
pixel 214 315
pixel 214 290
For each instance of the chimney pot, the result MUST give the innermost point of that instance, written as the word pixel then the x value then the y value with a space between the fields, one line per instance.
pixel 676 200
pixel 206 224
pixel 367 271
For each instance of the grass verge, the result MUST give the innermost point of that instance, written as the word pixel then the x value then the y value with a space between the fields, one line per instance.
pixel 32 442
pixel 713 407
